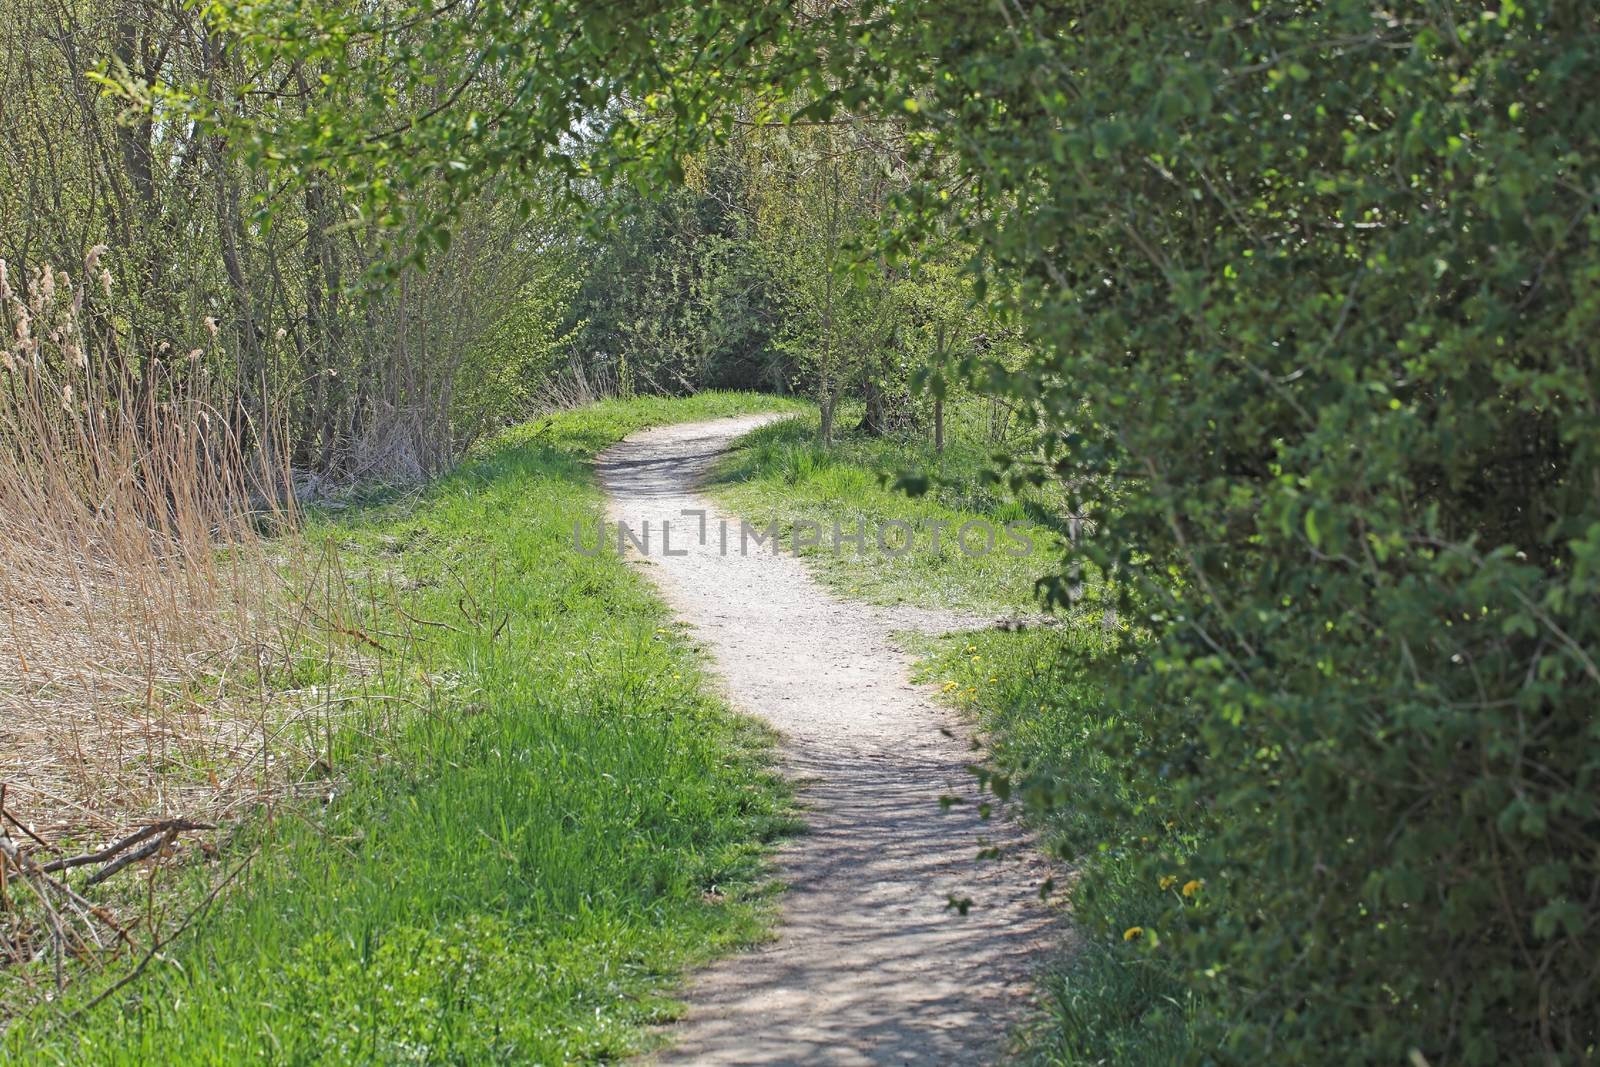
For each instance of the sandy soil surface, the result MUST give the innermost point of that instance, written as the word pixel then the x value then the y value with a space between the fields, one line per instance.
pixel 870 966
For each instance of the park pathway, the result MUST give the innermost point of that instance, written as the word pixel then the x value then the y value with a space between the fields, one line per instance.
pixel 870 966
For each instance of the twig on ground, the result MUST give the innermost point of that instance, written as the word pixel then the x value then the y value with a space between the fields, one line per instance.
pixel 110 851
pixel 151 849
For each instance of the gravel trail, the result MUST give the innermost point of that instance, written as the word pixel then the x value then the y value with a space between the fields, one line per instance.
pixel 870 966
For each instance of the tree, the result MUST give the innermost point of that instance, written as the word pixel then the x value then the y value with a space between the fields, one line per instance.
pixel 816 197
pixel 943 325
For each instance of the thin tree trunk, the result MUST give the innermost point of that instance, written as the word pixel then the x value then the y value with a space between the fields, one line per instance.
pixel 829 389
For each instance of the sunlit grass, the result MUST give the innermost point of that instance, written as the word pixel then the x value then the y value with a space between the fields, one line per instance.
pixel 535 821
pixel 781 472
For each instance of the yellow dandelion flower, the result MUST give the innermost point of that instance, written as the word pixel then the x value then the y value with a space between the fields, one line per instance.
pixel 1168 881
pixel 1133 933
pixel 952 684
pixel 1192 886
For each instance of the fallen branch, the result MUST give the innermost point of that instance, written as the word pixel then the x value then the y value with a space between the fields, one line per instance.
pixel 429 622
pixel 112 850
pixel 12 819
pixel 135 856
pixel 41 885
pixel 31 871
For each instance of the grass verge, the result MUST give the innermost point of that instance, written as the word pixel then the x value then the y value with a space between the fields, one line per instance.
pixel 535 820
pixel 1036 697
pixel 781 472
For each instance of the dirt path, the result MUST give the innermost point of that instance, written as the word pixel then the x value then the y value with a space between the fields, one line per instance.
pixel 870 966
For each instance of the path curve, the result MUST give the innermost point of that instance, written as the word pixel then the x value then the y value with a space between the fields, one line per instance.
pixel 869 966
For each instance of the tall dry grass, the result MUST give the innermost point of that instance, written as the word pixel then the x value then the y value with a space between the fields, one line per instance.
pixel 134 578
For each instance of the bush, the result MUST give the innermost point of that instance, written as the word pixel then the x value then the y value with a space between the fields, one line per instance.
pixel 1325 278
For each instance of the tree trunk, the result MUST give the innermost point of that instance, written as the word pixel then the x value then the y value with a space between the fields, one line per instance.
pixel 873 420
pixel 941 352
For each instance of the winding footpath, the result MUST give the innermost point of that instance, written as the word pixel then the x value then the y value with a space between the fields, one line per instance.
pixel 870 965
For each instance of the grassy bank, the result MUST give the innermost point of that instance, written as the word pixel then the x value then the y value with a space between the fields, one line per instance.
pixel 781 472
pixel 1036 696
pixel 533 824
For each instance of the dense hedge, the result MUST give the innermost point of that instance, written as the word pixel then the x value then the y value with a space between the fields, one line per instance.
pixel 1316 291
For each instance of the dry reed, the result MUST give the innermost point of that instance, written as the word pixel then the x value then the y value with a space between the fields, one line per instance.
pixel 133 573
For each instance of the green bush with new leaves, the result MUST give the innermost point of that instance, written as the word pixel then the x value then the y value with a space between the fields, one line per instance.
pixel 1314 290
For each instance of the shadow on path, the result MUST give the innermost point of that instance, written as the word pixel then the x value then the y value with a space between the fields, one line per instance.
pixel 872 964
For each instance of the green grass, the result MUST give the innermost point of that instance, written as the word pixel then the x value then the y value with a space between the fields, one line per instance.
pixel 1036 696
pixel 781 472
pixel 514 870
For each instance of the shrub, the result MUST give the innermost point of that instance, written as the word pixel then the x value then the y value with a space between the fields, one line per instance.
pixel 1326 279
